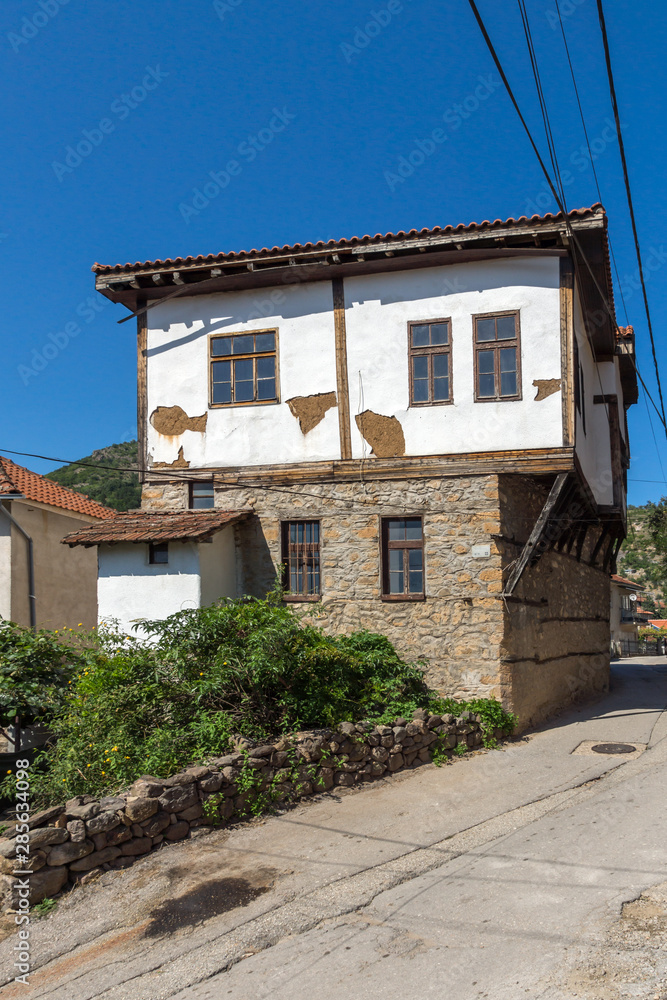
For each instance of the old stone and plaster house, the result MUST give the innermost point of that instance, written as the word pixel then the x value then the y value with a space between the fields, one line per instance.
pixel 41 583
pixel 424 433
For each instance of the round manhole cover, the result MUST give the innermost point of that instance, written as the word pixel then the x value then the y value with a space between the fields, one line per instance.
pixel 613 748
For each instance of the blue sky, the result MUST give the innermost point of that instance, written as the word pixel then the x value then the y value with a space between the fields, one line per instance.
pixel 159 94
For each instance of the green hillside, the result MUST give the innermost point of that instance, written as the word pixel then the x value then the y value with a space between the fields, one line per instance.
pixel 112 487
pixel 639 559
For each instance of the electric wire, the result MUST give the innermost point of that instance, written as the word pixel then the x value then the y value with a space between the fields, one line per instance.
pixel 626 179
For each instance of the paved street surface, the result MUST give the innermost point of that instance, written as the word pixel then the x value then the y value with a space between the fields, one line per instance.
pixel 533 872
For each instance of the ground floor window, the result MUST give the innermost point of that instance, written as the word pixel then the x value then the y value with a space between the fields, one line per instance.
pixel 301 559
pixel 158 553
pixel 402 558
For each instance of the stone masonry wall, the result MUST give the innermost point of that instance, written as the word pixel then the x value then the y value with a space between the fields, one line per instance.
pixel 75 842
pixel 457 630
pixel 556 645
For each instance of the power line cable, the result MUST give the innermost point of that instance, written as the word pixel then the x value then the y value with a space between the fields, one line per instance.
pixel 621 146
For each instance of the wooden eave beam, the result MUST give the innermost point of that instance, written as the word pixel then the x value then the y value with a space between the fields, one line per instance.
pixel 535 544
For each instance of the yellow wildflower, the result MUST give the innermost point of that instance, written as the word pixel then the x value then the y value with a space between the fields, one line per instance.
pixel 80 624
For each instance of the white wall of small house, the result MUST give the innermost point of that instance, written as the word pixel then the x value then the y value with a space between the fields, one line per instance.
pixel 130 588
pixel 217 564
pixel 378 309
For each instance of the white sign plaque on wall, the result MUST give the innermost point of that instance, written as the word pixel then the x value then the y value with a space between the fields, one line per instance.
pixel 481 551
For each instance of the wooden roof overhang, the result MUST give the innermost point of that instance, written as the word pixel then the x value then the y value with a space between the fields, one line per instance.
pixel 142 286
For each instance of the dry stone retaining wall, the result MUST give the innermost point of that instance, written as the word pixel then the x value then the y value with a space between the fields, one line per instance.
pixel 75 842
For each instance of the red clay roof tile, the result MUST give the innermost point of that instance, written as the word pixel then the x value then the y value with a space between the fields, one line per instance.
pixel 343 243
pixel 14 479
pixel 156 526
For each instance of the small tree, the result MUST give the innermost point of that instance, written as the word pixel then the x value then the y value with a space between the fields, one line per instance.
pixel 35 669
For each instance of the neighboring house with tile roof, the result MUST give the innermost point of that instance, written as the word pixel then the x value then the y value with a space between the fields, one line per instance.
pixel 429 426
pixel 42 583
pixel 625 616
pixel 152 564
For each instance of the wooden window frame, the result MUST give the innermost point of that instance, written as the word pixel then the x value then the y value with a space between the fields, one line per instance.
pixel 495 346
pixel 191 489
pixel 429 352
pixel 237 357
pixel 288 595
pixel 161 546
pixel 386 545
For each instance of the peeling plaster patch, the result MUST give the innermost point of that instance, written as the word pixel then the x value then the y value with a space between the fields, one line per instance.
pixel 172 421
pixel 546 387
pixel 179 463
pixel 384 434
pixel 309 410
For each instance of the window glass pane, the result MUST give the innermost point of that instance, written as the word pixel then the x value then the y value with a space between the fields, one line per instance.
pixel 414 559
pixel 440 365
pixel 266 367
pixel 243 370
pixel 420 390
pixel 506 327
pixel 396 530
pixel 244 344
pixel 243 392
pixel 265 342
pixel 413 529
pixel 508 384
pixel 158 553
pixel 292 532
pixel 221 371
pixel 420 336
pixel 221 392
pixel 487 386
pixel 416 582
pixel 440 389
pixel 221 346
pixel 508 359
pixel 266 388
pixel 439 333
pixel 485 362
pixel 420 366
pixel 309 532
pixel 486 329
pixel 202 496
pixel 316 531
pixel 396 571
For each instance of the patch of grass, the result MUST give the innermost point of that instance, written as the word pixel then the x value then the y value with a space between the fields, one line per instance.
pixel 43 909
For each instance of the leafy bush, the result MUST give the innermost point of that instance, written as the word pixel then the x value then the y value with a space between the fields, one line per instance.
pixel 245 667
pixel 35 670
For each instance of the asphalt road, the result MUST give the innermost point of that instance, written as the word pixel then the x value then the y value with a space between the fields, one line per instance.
pixel 537 871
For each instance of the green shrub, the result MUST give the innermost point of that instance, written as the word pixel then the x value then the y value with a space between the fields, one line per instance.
pixel 245 667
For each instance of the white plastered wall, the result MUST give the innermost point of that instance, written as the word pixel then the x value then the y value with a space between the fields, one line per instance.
pixel 129 588
pixel 378 309
pixel 593 445
pixel 217 563
pixel 5 568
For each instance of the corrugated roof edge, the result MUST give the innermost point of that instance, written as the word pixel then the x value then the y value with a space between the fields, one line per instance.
pixel 577 213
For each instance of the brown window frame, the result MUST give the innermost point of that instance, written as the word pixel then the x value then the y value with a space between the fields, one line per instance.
pixel 386 546
pixel 496 346
pixel 192 485
pixel 286 545
pixel 428 352
pixel 239 357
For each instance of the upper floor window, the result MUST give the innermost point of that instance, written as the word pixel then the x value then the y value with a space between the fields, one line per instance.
pixel 497 356
pixel 430 362
pixel 402 558
pixel 301 559
pixel 243 368
pixel 201 495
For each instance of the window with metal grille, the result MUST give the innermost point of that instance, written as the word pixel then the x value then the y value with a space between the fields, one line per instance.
pixel 301 559
pixel 402 558
pixel 243 368
pixel 430 362
pixel 202 495
pixel 497 357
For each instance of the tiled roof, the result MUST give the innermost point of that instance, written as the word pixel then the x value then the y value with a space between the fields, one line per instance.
pixel 149 526
pixel 14 479
pixel 627 583
pixel 354 241
pixel 658 623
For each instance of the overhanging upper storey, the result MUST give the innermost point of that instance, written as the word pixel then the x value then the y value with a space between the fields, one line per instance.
pixel 582 234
